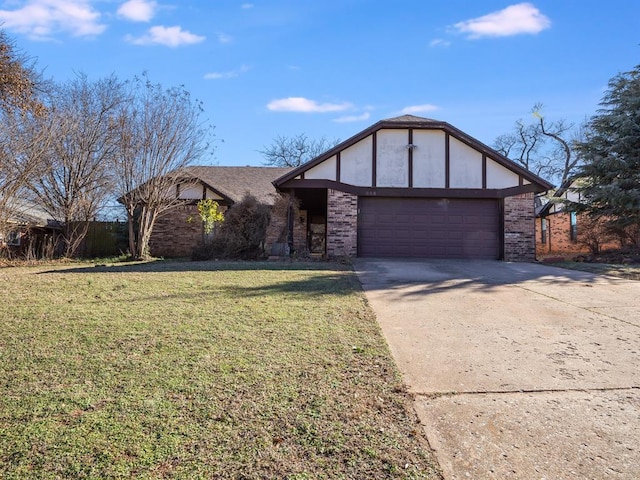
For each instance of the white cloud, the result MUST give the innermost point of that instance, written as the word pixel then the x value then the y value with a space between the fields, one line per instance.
pixel 424 108
pixel 513 20
pixel 353 118
pixel 226 75
pixel 439 42
pixel 224 38
pixel 40 19
pixel 246 6
pixel 168 36
pixel 301 104
pixel 138 10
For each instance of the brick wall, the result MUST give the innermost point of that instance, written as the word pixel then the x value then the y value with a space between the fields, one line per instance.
pixel 277 234
pixel 519 228
pixel 174 236
pixel 342 224
pixel 300 234
pixel 559 237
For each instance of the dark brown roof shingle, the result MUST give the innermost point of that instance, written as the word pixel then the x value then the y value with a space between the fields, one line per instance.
pixel 235 182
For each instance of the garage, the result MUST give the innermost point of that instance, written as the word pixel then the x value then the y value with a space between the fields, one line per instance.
pixel 414 187
pixel 429 228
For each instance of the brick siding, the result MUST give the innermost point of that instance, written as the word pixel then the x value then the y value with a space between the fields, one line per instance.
pixel 519 228
pixel 174 236
pixel 559 237
pixel 342 224
pixel 277 234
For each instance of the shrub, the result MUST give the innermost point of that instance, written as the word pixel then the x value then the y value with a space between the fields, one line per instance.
pixel 594 234
pixel 242 234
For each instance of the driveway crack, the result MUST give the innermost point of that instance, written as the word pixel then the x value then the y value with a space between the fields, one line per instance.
pixel 432 395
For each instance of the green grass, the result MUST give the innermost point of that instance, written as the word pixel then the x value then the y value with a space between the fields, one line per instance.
pixel 199 370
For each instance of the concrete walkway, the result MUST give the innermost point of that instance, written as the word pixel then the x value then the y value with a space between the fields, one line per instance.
pixel 518 370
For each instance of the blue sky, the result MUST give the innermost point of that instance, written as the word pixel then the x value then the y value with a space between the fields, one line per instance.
pixel 333 67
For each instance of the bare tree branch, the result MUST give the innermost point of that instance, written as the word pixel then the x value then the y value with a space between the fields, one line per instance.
pixel 160 134
pixel 296 150
pixel 543 147
pixel 81 147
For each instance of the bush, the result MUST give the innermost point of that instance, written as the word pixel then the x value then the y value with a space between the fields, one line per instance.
pixel 242 234
pixel 594 234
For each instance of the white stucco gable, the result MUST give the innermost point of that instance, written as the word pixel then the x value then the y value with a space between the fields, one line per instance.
pixel 411 152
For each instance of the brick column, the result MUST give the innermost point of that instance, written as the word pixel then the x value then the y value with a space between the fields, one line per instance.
pixel 519 228
pixel 342 224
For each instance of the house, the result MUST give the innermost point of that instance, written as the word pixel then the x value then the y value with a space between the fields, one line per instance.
pixel 29 232
pixel 415 187
pixel 174 235
pixel 562 233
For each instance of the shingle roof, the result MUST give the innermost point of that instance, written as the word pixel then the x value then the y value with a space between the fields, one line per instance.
pixel 410 119
pixel 235 182
pixel 26 213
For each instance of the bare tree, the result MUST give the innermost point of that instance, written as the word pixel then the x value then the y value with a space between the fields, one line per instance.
pixel 80 126
pixel 23 147
pixel 522 145
pixel 20 85
pixel 161 133
pixel 542 146
pixel 296 150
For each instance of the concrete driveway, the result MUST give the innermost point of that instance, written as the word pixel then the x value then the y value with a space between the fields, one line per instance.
pixel 518 370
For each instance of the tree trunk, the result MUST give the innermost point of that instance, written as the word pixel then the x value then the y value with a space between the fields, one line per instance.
pixel 73 235
pixel 132 231
pixel 147 219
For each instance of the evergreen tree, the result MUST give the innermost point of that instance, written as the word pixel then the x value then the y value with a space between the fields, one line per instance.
pixel 611 153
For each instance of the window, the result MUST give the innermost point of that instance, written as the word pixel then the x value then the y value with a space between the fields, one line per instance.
pixel 13 238
pixel 573 233
pixel 543 230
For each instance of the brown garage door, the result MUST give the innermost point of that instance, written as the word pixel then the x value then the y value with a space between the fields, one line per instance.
pixel 429 228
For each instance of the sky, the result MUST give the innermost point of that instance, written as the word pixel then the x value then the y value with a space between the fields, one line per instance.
pixel 331 68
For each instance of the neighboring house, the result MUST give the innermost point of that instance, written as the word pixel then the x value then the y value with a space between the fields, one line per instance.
pixel 175 235
pixel 30 232
pixel 414 187
pixel 560 232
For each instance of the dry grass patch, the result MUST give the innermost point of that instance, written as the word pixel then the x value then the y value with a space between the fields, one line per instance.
pixel 199 370
pixel 630 272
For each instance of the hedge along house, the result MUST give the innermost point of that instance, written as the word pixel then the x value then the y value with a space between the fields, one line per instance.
pixel 416 187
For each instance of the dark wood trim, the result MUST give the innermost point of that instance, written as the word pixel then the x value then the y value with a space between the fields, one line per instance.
pixel 338 167
pixel 520 180
pixel 501 228
pixel 447 163
pixel 302 175
pixel 411 192
pixel 484 171
pixel 358 228
pixel 422 125
pixel 496 156
pixel 374 157
pixel 224 199
pixel 410 158
pixel 204 192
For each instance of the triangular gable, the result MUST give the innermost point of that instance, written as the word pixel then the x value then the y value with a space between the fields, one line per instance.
pixel 414 152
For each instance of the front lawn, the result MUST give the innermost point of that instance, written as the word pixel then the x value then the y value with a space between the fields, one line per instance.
pixel 199 370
